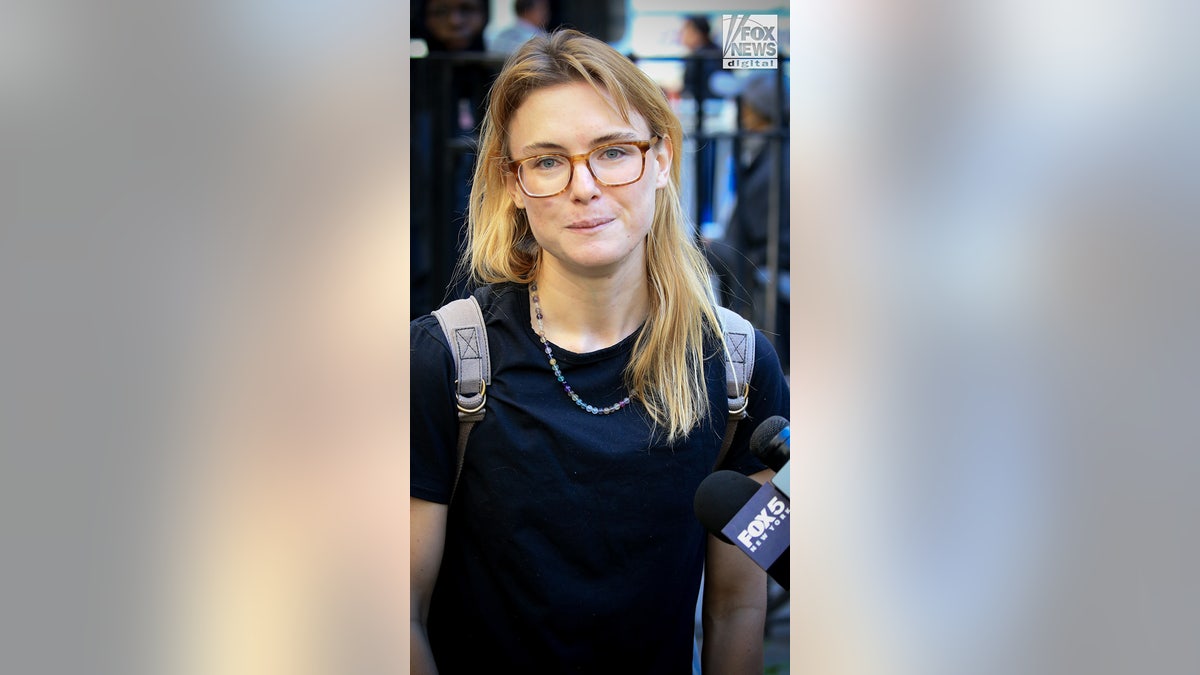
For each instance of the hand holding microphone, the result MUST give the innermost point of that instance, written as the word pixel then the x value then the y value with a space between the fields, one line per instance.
pixel 755 518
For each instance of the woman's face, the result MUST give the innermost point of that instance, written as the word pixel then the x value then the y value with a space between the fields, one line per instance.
pixel 455 23
pixel 589 229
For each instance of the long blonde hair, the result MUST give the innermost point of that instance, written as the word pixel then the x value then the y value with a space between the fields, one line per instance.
pixel 666 370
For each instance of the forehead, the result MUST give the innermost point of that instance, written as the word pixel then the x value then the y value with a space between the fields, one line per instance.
pixel 437 6
pixel 570 115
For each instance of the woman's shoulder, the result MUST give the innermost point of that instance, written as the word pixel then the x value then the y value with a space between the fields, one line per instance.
pixel 425 334
pixel 495 301
pixel 744 343
pixel 501 302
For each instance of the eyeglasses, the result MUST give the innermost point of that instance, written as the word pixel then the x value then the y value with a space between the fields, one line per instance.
pixel 612 165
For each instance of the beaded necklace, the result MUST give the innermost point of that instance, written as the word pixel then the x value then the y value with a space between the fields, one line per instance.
pixel 558 373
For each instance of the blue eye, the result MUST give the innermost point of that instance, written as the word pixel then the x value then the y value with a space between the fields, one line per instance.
pixel 546 162
pixel 613 152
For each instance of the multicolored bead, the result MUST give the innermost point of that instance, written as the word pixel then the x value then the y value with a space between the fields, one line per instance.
pixel 558 372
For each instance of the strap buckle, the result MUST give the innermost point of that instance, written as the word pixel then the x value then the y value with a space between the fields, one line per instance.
pixel 745 402
pixel 482 399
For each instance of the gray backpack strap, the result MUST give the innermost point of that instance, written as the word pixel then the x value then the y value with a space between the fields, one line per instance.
pixel 739 366
pixel 462 322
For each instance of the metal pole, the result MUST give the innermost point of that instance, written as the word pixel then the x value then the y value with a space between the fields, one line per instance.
pixel 773 215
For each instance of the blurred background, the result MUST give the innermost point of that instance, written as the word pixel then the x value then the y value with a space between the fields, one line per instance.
pixel 210 235
pixel 735 168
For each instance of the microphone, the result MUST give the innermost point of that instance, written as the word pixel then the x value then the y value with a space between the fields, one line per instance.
pixel 771 442
pixel 738 511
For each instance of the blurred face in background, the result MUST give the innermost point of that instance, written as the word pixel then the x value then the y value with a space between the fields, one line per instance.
pixel 691 36
pixel 753 120
pixel 539 14
pixel 455 23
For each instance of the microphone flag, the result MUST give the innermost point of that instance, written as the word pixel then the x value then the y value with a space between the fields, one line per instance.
pixel 760 527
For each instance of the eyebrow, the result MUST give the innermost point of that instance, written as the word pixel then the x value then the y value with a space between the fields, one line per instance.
pixel 614 137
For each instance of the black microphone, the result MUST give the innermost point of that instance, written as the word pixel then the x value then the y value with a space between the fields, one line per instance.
pixel 771 442
pixel 739 511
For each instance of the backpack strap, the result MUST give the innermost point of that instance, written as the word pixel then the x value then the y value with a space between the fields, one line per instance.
pixel 462 322
pixel 739 366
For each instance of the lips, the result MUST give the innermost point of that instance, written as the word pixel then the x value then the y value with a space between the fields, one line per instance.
pixel 590 223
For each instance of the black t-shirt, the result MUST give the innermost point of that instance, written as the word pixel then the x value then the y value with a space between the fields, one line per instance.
pixel 572 544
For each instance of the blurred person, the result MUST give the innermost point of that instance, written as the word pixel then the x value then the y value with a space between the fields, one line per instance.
pixel 532 18
pixel 740 256
pixel 442 131
pixel 456 27
pixel 704 60
pixel 570 543
pixel 696 35
pixel 453 25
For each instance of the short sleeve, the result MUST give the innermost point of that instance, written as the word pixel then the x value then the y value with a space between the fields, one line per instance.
pixel 770 395
pixel 433 417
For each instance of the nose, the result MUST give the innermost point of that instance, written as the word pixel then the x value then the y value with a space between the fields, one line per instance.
pixel 583 184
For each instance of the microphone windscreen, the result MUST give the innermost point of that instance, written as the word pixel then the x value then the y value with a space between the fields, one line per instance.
pixel 762 436
pixel 719 498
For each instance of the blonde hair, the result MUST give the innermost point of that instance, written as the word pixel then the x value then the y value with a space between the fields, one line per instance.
pixel 666 370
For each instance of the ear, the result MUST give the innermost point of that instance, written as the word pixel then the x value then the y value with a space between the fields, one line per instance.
pixel 514 191
pixel 663 153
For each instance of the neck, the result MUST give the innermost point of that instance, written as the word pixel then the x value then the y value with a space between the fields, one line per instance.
pixel 587 314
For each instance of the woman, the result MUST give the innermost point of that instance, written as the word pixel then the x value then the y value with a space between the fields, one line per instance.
pixel 451 25
pixel 703 61
pixel 741 257
pixel 696 36
pixel 453 82
pixel 571 544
